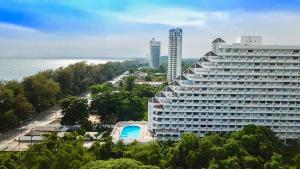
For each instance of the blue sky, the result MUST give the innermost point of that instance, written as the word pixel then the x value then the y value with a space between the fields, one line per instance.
pixel 123 28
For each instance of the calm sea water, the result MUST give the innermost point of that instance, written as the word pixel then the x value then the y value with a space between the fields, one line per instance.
pixel 18 68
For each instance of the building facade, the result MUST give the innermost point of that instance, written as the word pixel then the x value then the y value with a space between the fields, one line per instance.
pixel 239 84
pixel 175 53
pixel 154 53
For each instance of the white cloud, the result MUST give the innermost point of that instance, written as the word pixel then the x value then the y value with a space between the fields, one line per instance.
pixel 277 27
pixel 170 16
pixel 12 27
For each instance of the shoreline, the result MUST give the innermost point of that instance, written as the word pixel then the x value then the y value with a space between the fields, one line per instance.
pixel 18 68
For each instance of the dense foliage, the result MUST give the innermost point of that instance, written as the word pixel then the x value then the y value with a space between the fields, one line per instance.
pixel 127 102
pixel 254 147
pixel 21 100
pixel 14 105
pixel 75 110
pixel 53 153
pixel 117 164
pixel 154 74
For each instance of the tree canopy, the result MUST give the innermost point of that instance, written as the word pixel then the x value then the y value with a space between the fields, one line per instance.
pixel 121 103
pixel 34 94
pixel 250 148
pixel 75 110
pixel 123 163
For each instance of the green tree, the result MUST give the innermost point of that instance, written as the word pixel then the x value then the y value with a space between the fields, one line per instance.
pixel 122 163
pixel 107 105
pixel 15 86
pixel 54 152
pixel 129 83
pixel 296 160
pixel 6 99
pixel 41 91
pixel 100 88
pixel 22 108
pixel 75 110
pixel 8 160
pixel 258 141
pixel 114 106
pixel 231 163
pixel 187 150
pixel 65 78
pixel 162 68
pixel 213 164
pixel 252 162
pixel 14 106
pixel 145 90
pixel 9 118
pixel 276 162
pixel 146 153
pixel 233 148
pixel 103 151
pixel 148 78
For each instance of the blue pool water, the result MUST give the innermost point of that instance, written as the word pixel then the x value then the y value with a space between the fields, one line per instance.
pixel 132 132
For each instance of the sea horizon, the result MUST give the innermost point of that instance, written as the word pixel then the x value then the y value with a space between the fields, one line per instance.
pixel 16 68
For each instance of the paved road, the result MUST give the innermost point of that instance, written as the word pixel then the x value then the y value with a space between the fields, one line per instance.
pixel 42 119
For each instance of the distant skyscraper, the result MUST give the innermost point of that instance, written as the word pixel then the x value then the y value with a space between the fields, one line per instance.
pixel 154 53
pixel 175 53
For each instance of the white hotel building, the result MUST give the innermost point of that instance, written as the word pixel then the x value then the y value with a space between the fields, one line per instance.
pixel 230 87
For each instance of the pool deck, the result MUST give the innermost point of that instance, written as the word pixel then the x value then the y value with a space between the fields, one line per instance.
pixel 145 135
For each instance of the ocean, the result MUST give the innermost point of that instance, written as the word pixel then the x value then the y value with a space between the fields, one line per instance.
pixel 18 68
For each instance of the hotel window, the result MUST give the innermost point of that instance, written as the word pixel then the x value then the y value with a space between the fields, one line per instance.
pixel 227 50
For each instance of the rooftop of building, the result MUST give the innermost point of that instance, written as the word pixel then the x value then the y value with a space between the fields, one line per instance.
pixel 253 42
pixel 218 40
pixel 236 45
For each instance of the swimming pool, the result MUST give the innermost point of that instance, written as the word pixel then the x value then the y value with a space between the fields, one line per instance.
pixel 131 132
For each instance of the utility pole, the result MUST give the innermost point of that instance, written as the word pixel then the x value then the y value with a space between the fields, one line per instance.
pixel 21 122
pixel 30 136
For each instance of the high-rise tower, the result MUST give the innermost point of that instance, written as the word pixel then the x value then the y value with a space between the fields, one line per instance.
pixel 175 53
pixel 154 53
